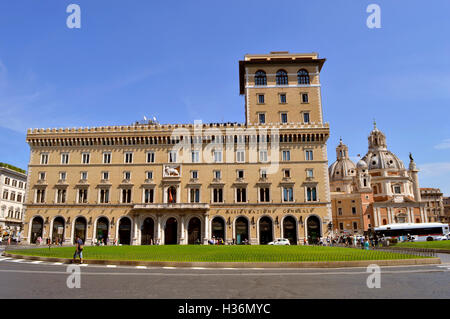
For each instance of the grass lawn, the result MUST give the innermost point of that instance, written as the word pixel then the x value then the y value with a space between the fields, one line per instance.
pixel 194 253
pixel 440 244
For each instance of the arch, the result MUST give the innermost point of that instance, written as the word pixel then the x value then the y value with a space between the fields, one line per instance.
pixel 282 77
pixel 303 77
pixel 37 228
pixel 79 230
pixel 265 230
pixel 313 229
pixel 260 78
pixel 194 231
pixel 102 230
pixel 218 227
pixel 384 221
pixel 125 231
pixel 148 231
pixel 241 229
pixel 290 229
pixel 58 229
pixel 171 231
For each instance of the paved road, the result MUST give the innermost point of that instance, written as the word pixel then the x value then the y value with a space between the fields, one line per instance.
pixel 28 279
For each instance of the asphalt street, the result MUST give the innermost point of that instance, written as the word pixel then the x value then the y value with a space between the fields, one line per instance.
pixel 35 279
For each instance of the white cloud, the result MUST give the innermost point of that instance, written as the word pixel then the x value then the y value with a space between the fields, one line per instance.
pixel 445 144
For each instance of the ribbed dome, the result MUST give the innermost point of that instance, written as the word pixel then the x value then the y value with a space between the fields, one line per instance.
pixel 361 164
pixel 378 156
pixel 343 168
pixel 379 159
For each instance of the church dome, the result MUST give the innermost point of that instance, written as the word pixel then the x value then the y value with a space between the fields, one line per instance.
pixel 378 156
pixel 343 168
pixel 361 164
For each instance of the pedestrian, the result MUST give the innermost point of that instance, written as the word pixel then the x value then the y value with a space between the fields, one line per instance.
pixel 366 244
pixel 78 250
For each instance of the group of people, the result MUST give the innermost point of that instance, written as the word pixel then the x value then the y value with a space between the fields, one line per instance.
pixel 364 242
pixel 216 241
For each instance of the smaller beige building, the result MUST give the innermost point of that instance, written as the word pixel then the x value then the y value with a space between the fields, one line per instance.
pixel 434 203
pixel 446 202
pixel 12 190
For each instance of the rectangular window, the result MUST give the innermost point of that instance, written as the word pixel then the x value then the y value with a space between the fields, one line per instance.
pixel 241 195
pixel 172 157
pixel 194 174
pixel 84 176
pixel 240 174
pixel 354 210
pixel 309 173
pixel 311 194
pixel 217 175
pixel 106 158
pixel 260 98
pixel 104 195
pixel 262 118
pixel 65 158
pixel 13 196
pixel 263 173
pixel 340 211
pixel 40 196
pixel 341 226
pixel 42 176
pixel 264 195
pixel 286 173
pixel 7 180
pixel 240 156
pixel 85 158
pixel 149 175
pixel 62 176
pixel 148 195
pixel 44 158
pixel 263 156
pixel 82 195
pixel 105 176
pixel 61 196
pixel 286 156
pixel 355 225
pixel 217 195
pixel 305 98
pixel 128 157
pixel 283 98
pixel 5 194
pixel 14 183
pixel 195 156
pixel 306 117
pixel 126 195
pixel 194 195
pixel 20 184
pixel 397 189
pixel 150 157
pixel 218 156
pixel 19 198
pixel 127 175
pixel 309 155
pixel 284 118
pixel 288 194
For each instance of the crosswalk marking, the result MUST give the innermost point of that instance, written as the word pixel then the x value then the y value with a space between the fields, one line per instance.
pixel 198 268
pixel 141 267
pixel 169 267
pixel 37 262
pixel 17 260
pixel 57 263
pixel 111 266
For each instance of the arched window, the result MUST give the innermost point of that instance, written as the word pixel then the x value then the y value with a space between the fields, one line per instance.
pixel 260 78
pixel 282 78
pixel 303 76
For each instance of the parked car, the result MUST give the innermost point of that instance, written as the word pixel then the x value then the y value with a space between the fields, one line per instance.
pixel 444 237
pixel 280 241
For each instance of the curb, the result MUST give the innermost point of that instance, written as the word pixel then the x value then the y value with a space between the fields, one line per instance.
pixel 318 264
pixel 435 250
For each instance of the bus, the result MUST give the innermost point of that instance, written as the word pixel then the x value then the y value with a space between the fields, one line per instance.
pixel 418 232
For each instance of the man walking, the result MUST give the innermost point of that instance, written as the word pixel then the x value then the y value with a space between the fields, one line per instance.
pixel 78 250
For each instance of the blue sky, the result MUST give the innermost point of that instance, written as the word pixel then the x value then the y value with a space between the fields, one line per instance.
pixel 179 62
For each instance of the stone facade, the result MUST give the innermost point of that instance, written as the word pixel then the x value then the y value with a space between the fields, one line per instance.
pixel 434 204
pixel 12 192
pixel 186 183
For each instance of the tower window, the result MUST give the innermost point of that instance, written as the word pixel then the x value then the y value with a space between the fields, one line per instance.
pixel 283 98
pixel 260 78
pixel 303 76
pixel 305 98
pixel 262 118
pixel 282 77
pixel 260 98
